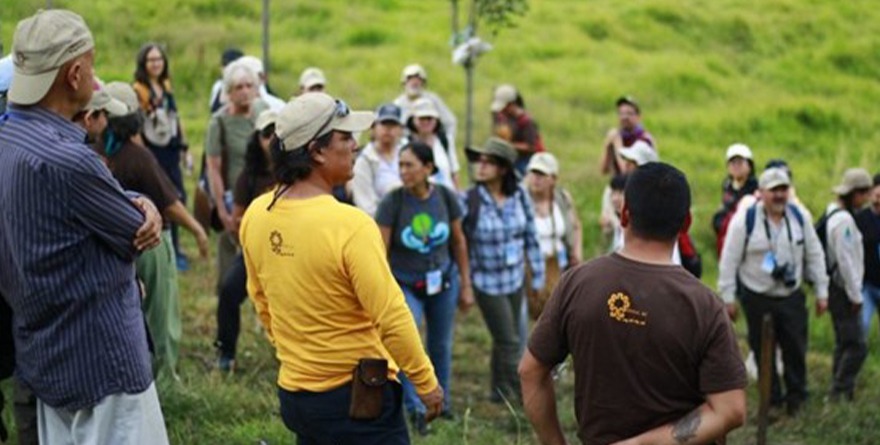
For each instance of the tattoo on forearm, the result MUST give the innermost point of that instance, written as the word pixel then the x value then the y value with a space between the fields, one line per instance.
pixel 686 428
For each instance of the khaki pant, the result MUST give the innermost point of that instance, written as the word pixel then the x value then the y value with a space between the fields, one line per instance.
pixel 119 419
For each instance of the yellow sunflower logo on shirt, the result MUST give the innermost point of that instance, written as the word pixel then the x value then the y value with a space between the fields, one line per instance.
pixel 620 310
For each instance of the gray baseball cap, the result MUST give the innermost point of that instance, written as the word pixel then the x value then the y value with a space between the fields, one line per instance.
pixel 125 94
pixel 312 115
pixel 41 45
pixel 102 100
pixel 772 178
pixel 853 179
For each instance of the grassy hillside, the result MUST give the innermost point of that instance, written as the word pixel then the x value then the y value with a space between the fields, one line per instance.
pixel 796 79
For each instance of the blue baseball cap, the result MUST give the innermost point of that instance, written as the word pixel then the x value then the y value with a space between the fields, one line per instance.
pixel 389 113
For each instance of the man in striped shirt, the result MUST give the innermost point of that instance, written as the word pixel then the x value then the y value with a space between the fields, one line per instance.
pixel 68 239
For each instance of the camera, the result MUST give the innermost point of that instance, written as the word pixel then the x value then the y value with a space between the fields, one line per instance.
pixel 785 273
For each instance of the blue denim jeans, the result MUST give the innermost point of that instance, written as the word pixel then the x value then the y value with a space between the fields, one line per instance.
pixel 438 311
pixel 321 418
pixel 871 295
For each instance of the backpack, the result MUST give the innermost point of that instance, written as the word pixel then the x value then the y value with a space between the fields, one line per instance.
pixel 750 221
pixel 822 233
pixel 474 202
pixel 448 198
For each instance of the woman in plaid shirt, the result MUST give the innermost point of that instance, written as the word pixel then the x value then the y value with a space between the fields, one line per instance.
pixel 501 235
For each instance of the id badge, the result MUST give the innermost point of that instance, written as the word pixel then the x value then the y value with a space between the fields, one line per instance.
pixel 769 262
pixel 434 282
pixel 512 253
pixel 562 257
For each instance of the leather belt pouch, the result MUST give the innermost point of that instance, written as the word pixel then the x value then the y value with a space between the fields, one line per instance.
pixel 367 387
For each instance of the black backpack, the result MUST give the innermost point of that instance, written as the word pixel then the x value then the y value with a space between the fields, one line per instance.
pixel 822 233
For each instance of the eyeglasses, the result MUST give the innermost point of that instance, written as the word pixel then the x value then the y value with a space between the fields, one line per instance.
pixel 340 111
pixel 483 159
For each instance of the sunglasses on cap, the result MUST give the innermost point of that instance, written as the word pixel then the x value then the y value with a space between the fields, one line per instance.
pixel 341 111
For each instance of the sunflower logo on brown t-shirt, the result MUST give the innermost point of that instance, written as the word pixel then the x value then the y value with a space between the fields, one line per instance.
pixel 620 309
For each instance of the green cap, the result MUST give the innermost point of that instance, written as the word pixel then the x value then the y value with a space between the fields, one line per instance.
pixel 493 147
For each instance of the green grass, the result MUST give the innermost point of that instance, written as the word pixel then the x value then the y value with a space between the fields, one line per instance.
pixel 790 78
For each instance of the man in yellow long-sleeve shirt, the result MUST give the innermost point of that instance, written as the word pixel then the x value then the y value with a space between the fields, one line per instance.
pixel 319 278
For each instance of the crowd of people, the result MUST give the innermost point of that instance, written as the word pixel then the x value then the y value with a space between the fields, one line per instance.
pixel 348 252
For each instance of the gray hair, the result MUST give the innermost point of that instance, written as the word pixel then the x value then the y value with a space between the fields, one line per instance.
pixel 236 73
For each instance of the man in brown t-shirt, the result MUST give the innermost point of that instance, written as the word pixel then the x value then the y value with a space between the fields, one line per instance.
pixel 655 356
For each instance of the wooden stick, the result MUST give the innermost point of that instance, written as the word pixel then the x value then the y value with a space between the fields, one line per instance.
pixel 765 379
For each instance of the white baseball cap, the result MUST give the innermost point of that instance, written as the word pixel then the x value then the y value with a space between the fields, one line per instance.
pixel 42 43
pixel 504 95
pixel 741 150
pixel 413 70
pixel 425 107
pixel 312 76
pixel 640 152
pixel 312 115
pixel 545 163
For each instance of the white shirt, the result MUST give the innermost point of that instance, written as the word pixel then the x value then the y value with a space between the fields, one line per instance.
pixel 446 162
pixel 274 103
pixel 374 177
pixel 550 232
pixel 617 244
pixel 845 253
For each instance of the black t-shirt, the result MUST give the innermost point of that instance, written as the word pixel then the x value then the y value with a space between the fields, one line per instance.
pixel 868 223
pixel 421 229
pixel 136 169
pixel 648 342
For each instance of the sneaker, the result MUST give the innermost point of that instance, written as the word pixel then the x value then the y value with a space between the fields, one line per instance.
pixel 182 263
pixel 226 365
pixel 418 422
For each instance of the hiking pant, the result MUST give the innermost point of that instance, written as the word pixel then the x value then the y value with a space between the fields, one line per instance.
pixel 438 311
pixel 789 316
pixel 503 315
pixel 233 292
pixel 871 295
pixel 227 249
pixel 321 418
pixel 157 268
pixel 850 349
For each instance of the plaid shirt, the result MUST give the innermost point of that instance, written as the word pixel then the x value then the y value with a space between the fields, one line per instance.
pixel 502 231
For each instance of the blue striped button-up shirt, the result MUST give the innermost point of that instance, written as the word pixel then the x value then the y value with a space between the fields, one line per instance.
pixel 67 264
pixel 504 237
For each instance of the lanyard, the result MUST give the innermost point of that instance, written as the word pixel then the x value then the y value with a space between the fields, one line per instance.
pixel 773 245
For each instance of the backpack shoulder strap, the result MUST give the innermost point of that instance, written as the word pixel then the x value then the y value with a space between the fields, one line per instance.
pixel 797 214
pixel 224 150
pixel 750 226
pixel 396 207
pixel 473 211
